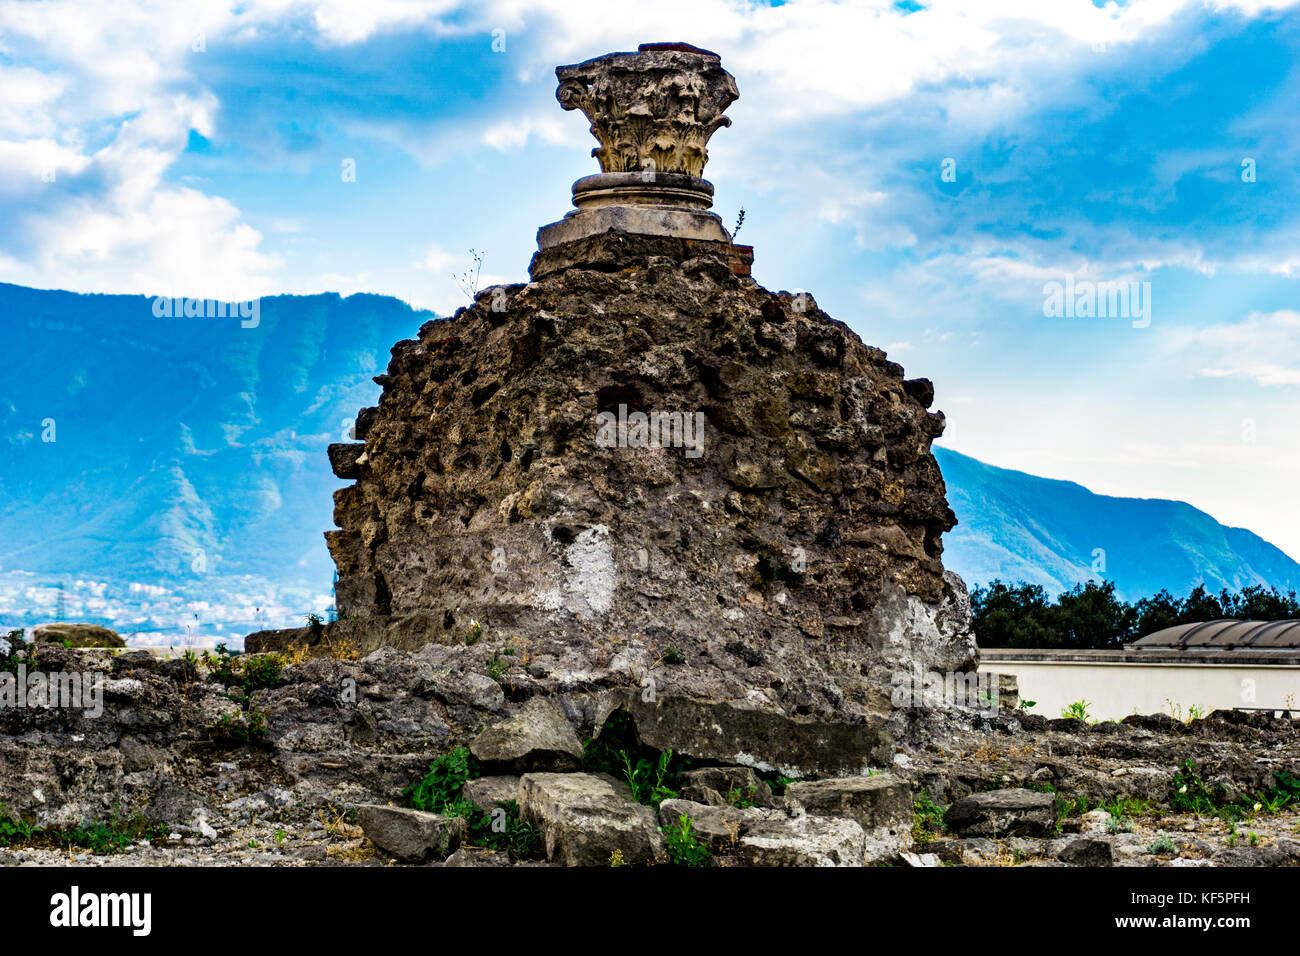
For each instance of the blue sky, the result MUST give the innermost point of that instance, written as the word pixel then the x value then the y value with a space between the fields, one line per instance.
pixel 197 149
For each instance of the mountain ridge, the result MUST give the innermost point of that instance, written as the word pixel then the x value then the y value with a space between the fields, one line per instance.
pixel 1057 533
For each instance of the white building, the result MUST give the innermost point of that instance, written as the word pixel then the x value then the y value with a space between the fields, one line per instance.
pixel 1185 670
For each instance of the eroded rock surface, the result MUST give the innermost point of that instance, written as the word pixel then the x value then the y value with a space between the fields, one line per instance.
pixel 1012 812
pixel 880 804
pixel 539 737
pixel 411 835
pixel 340 734
pixel 587 818
pixel 787 553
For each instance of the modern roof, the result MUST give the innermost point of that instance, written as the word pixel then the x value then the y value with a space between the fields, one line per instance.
pixel 1224 635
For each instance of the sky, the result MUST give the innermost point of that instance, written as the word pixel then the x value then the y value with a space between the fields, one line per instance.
pixel 927 171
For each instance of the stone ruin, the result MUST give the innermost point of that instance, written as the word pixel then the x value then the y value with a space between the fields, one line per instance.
pixel 643 467
pixel 639 485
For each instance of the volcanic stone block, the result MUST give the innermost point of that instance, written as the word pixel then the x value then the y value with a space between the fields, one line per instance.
pixel 881 804
pixel 718 826
pixel 78 635
pixel 539 737
pixel 1003 813
pixel 805 841
pixel 1086 851
pixel 760 837
pixel 411 835
pixel 486 792
pixel 763 739
pixel 344 459
pixel 586 818
pixel 713 785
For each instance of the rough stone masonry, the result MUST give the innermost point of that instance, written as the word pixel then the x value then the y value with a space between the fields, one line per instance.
pixel 639 487
pixel 645 467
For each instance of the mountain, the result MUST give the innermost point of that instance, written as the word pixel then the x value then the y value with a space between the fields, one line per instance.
pixel 1020 527
pixel 168 476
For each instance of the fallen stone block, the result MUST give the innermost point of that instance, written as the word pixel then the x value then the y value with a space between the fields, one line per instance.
pixel 948 851
pixel 411 835
pixel 713 786
pixel 1086 852
pixel 802 841
pixel 538 738
pixel 486 792
pixel 585 818
pixel 880 804
pixel 1096 821
pixel 766 740
pixel 920 859
pixel 77 635
pixel 979 849
pixel 1002 813
pixel 718 826
pixel 477 856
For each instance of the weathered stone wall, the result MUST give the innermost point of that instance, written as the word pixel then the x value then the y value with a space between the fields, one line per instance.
pixel 483 495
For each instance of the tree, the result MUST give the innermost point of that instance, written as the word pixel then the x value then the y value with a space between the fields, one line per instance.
pixel 1091 616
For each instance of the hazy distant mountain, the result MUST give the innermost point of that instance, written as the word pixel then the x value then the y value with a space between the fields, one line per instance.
pixel 1019 527
pixel 187 484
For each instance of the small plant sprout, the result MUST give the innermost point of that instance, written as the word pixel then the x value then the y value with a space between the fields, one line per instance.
pixel 468 280
pixel 740 221
pixel 1163 845
pixel 1077 710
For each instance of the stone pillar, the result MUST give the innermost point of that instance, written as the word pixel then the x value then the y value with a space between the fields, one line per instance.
pixel 652 112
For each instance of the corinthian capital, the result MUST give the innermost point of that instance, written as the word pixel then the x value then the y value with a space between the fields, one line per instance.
pixel 653 110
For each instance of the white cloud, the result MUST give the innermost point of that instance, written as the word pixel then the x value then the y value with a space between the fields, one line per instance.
pixel 1264 348
pixel 131 68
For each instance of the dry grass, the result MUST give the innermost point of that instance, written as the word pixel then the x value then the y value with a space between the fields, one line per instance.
pixel 351 852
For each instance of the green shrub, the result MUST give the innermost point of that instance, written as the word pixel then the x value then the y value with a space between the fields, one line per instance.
pixel 504 831
pixel 20 652
pixel 646 779
pixel 248 727
pixel 442 791
pixel 1163 845
pixel 650 774
pixel 741 800
pixel 247 672
pixel 927 819
pixel 13 829
pixel 1190 792
pixel 442 785
pixel 684 847
pixel 779 783
pixel 111 836
pixel 1077 710
pixel 1071 807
